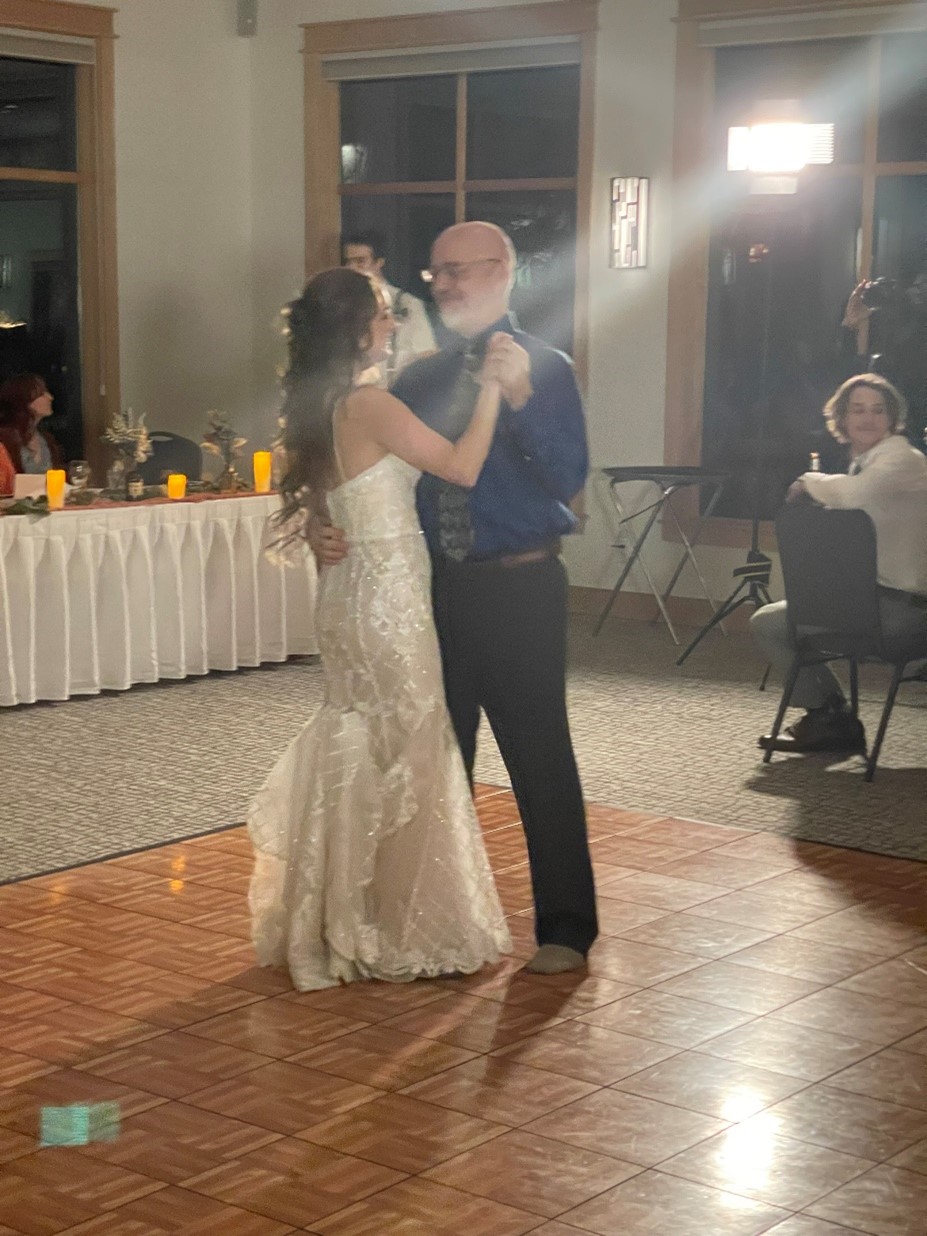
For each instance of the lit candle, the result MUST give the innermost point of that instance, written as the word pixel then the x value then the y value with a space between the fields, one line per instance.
pixel 262 465
pixel 54 488
pixel 176 485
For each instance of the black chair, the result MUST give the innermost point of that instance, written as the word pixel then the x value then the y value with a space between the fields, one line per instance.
pixel 829 568
pixel 171 453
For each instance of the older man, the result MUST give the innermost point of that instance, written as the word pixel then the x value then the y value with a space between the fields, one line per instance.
pixel 499 586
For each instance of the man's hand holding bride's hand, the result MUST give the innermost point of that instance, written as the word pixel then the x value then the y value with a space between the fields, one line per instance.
pixel 328 544
pixel 509 364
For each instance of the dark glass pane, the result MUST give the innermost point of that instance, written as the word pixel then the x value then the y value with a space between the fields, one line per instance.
pixel 522 122
pixel 825 79
pixel 543 229
pixel 781 269
pixel 903 99
pixel 37 115
pixel 898 326
pixel 38 297
pixel 398 129
pixel 409 223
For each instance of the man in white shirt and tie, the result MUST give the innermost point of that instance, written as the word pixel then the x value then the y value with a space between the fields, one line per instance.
pixel 365 252
pixel 887 479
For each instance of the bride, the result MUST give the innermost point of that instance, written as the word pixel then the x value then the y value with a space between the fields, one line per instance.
pixel 369 861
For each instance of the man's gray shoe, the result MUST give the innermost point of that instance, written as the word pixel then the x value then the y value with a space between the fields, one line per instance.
pixel 555 959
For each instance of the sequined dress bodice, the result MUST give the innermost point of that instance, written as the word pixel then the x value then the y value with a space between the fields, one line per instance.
pixel 378 503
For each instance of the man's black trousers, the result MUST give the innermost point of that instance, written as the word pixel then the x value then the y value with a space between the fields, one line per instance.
pixel 502 631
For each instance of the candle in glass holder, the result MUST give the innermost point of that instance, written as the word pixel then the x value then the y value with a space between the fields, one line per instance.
pixel 54 488
pixel 176 485
pixel 262 465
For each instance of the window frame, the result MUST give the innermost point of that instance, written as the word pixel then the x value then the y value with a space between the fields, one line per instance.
pixel 95 179
pixel 323 191
pixel 688 283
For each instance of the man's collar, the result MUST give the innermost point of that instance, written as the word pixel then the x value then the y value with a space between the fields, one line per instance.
pixel 476 344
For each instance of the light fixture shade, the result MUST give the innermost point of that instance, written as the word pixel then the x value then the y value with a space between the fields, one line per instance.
pixel 778 147
pixel 630 222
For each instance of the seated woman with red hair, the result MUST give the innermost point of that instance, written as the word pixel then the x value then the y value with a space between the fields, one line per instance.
pixel 7 473
pixel 25 402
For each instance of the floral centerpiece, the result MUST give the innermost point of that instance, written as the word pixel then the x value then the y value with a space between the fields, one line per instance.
pixel 128 433
pixel 222 440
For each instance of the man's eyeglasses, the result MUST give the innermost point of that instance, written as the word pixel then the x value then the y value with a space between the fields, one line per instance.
pixel 454 271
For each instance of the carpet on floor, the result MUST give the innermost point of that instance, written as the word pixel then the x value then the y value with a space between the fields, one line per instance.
pixel 98 776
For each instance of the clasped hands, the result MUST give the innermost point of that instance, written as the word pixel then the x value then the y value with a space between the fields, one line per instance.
pixel 505 362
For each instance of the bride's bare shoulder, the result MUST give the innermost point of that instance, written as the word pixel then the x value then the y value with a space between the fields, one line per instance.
pixel 366 402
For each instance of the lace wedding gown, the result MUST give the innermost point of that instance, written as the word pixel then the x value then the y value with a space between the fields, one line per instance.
pixel 368 857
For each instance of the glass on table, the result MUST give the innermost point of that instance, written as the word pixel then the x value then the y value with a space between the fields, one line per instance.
pixel 79 473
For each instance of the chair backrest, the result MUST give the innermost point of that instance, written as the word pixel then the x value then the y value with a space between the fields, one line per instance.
pixel 171 453
pixel 829 569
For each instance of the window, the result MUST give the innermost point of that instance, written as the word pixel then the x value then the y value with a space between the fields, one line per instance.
pixel 57 196
pixel 447 129
pixel 519 134
pixel 38 224
pixel 781 265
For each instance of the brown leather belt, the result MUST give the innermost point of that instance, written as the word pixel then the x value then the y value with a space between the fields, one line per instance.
pixel 514 560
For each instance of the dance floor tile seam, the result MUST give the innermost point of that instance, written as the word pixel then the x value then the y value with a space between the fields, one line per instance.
pixel 751 1001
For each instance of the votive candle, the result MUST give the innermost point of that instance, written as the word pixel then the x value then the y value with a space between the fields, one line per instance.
pixel 176 485
pixel 54 488
pixel 262 470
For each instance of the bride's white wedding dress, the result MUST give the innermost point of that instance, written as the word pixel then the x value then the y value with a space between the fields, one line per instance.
pixel 368 857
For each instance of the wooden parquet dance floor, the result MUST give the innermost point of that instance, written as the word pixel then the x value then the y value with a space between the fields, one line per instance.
pixel 746 1054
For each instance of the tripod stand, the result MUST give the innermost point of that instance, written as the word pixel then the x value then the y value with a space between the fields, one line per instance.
pixel 753 589
pixel 753 578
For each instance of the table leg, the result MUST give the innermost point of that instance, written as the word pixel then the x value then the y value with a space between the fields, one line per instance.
pixel 633 557
pixel 687 554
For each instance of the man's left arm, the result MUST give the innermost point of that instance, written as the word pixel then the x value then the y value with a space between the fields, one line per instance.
pixel 547 419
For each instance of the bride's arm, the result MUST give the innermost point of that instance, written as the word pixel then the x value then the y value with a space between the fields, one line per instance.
pixel 388 422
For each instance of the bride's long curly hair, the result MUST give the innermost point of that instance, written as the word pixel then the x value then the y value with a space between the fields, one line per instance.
pixel 328 330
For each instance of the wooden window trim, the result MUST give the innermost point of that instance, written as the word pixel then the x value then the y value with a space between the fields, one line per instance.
pixel 557 18
pixel 58 17
pixel 40 175
pixel 96 185
pixel 705 10
pixel 688 281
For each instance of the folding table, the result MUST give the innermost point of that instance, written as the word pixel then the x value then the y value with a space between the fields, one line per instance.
pixel 667 481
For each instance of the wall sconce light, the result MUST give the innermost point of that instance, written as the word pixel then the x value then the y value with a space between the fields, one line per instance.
pixel 630 222
pixel 6 271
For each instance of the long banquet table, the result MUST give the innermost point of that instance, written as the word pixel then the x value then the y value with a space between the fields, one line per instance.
pixel 102 597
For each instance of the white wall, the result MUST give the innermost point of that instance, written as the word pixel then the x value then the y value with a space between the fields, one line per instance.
pixel 211 224
pixel 183 155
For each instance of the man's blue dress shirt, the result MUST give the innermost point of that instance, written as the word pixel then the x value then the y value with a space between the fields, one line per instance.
pixel 538 460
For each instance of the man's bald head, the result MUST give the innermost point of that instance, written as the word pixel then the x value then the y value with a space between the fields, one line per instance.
pixel 474 270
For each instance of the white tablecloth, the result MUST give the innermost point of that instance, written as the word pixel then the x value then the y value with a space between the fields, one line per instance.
pixel 103 598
